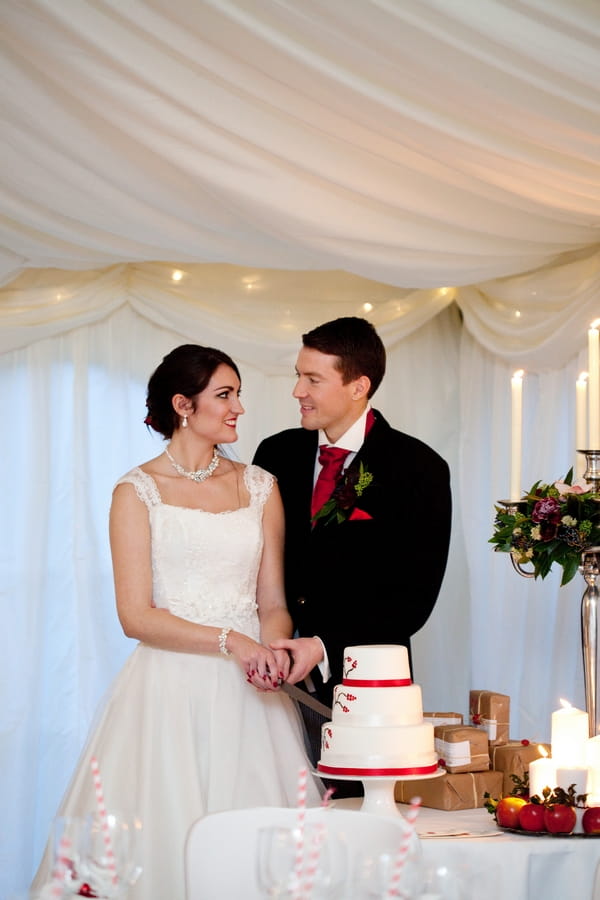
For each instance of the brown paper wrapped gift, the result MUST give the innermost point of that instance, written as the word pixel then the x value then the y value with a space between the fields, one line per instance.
pixel 490 711
pixel 464 790
pixel 444 718
pixel 513 758
pixel 462 747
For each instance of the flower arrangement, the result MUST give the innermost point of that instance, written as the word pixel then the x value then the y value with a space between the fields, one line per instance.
pixel 553 523
pixel 342 503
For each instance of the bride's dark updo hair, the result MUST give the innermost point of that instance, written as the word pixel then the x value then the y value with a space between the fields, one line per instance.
pixel 185 370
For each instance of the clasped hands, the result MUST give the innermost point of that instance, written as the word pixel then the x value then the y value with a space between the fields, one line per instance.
pixel 284 660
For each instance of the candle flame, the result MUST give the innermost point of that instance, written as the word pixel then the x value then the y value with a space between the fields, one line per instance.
pixel 542 751
pixel 519 373
pixel 565 704
pixel 595 324
pixel 583 377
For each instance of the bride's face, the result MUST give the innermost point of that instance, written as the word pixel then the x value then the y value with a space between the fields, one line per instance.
pixel 218 407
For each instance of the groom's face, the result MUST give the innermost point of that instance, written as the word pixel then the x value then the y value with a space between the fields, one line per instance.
pixel 325 401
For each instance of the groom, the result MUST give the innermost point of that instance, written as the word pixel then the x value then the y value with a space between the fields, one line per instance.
pixel 363 566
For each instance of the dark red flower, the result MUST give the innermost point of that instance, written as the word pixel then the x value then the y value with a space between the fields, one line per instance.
pixel 546 510
pixel 548 530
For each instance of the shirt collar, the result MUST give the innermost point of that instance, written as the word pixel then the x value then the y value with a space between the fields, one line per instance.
pixel 352 439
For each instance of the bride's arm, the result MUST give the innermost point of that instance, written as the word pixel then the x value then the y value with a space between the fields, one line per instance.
pixel 132 570
pixel 275 620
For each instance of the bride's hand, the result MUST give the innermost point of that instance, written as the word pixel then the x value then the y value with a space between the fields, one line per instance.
pixel 283 662
pixel 258 663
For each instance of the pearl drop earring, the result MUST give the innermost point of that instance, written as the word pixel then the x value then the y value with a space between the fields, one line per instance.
pixel 184 423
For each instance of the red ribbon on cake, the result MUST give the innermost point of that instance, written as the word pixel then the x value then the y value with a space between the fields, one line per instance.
pixel 359 773
pixel 377 682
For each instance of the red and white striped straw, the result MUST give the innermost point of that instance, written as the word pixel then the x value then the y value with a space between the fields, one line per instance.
pixel 300 824
pixel 411 816
pixel 327 796
pixel 60 869
pixel 312 863
pixel 103 816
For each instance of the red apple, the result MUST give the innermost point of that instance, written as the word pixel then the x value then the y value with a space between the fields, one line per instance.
pixel 591 820
pixel 531 817
pixel 560 818
pixel 507 811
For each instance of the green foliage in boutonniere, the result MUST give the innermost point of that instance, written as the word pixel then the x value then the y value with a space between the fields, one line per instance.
pixel 342 503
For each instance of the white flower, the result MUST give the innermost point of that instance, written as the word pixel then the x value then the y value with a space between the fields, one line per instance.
pixel 569 520
pixel 529 553
pixel 536 533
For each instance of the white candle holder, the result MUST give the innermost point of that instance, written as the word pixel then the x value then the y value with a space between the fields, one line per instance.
pixel 590 569
pixel 592 469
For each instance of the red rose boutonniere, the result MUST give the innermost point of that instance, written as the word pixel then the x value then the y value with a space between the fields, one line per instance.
pixel 342 503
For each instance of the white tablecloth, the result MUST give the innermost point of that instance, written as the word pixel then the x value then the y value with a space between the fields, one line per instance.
pixel 492 864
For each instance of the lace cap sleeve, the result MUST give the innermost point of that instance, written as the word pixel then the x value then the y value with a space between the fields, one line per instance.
pixel 259 483
pixel 145 486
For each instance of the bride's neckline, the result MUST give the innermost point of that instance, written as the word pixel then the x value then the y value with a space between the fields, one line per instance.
pixel 208 512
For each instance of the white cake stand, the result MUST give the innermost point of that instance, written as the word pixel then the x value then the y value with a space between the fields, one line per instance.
pixel 379 790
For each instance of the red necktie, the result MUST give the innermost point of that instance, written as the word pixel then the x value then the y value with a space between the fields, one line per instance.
pixel 332 461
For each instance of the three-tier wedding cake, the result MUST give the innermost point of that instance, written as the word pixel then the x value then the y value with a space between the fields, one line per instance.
pixel 377 725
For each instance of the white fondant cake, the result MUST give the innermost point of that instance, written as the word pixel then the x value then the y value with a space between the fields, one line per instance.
pixel 377 725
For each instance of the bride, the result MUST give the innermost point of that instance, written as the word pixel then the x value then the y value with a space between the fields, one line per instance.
pixel 195 722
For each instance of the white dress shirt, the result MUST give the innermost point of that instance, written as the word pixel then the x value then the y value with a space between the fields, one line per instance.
pixel 351 440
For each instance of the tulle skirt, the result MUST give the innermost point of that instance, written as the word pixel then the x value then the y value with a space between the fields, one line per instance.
pixel 181 735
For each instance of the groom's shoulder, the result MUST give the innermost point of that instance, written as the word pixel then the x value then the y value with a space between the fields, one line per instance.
pixel 288 437
pixel 406 446
pixel 284 445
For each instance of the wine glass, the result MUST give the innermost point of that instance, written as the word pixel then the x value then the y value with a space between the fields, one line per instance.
pixel 300 862
pixel 376 875
pixel 110 853
pixel 66 842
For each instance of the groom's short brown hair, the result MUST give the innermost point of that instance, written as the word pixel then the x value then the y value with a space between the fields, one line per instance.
pixel 357 345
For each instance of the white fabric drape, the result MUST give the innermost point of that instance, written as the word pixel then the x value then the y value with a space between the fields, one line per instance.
pixel 435 159
pixel 535 320
pixel 75 404
pixel 420 143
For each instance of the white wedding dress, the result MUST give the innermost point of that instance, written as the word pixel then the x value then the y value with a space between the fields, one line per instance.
pixel 183 734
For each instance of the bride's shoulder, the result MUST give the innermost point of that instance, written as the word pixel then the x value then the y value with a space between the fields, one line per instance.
pixel 258 480
pixel 141 478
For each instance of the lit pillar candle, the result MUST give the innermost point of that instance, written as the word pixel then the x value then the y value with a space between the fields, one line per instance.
pixel 577 775
pixel 592 758
pixel 516 383
pixel 542 773
pixel 594 386
pixel 581 440
pixel 570 734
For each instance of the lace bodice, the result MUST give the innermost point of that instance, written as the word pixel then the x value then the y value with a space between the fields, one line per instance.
pixel 205 565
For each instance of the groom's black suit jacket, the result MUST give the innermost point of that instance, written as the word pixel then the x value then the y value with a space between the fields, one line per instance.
pixel 367 581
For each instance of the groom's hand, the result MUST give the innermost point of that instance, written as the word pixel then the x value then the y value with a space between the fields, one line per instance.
pixel 306 653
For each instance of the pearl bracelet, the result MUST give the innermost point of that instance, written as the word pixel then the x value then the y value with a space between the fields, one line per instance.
pixel 223 641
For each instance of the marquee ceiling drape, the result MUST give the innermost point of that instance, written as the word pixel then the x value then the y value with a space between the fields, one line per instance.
pixel 418 144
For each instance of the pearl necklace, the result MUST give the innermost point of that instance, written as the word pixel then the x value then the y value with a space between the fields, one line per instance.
pixel 200 474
